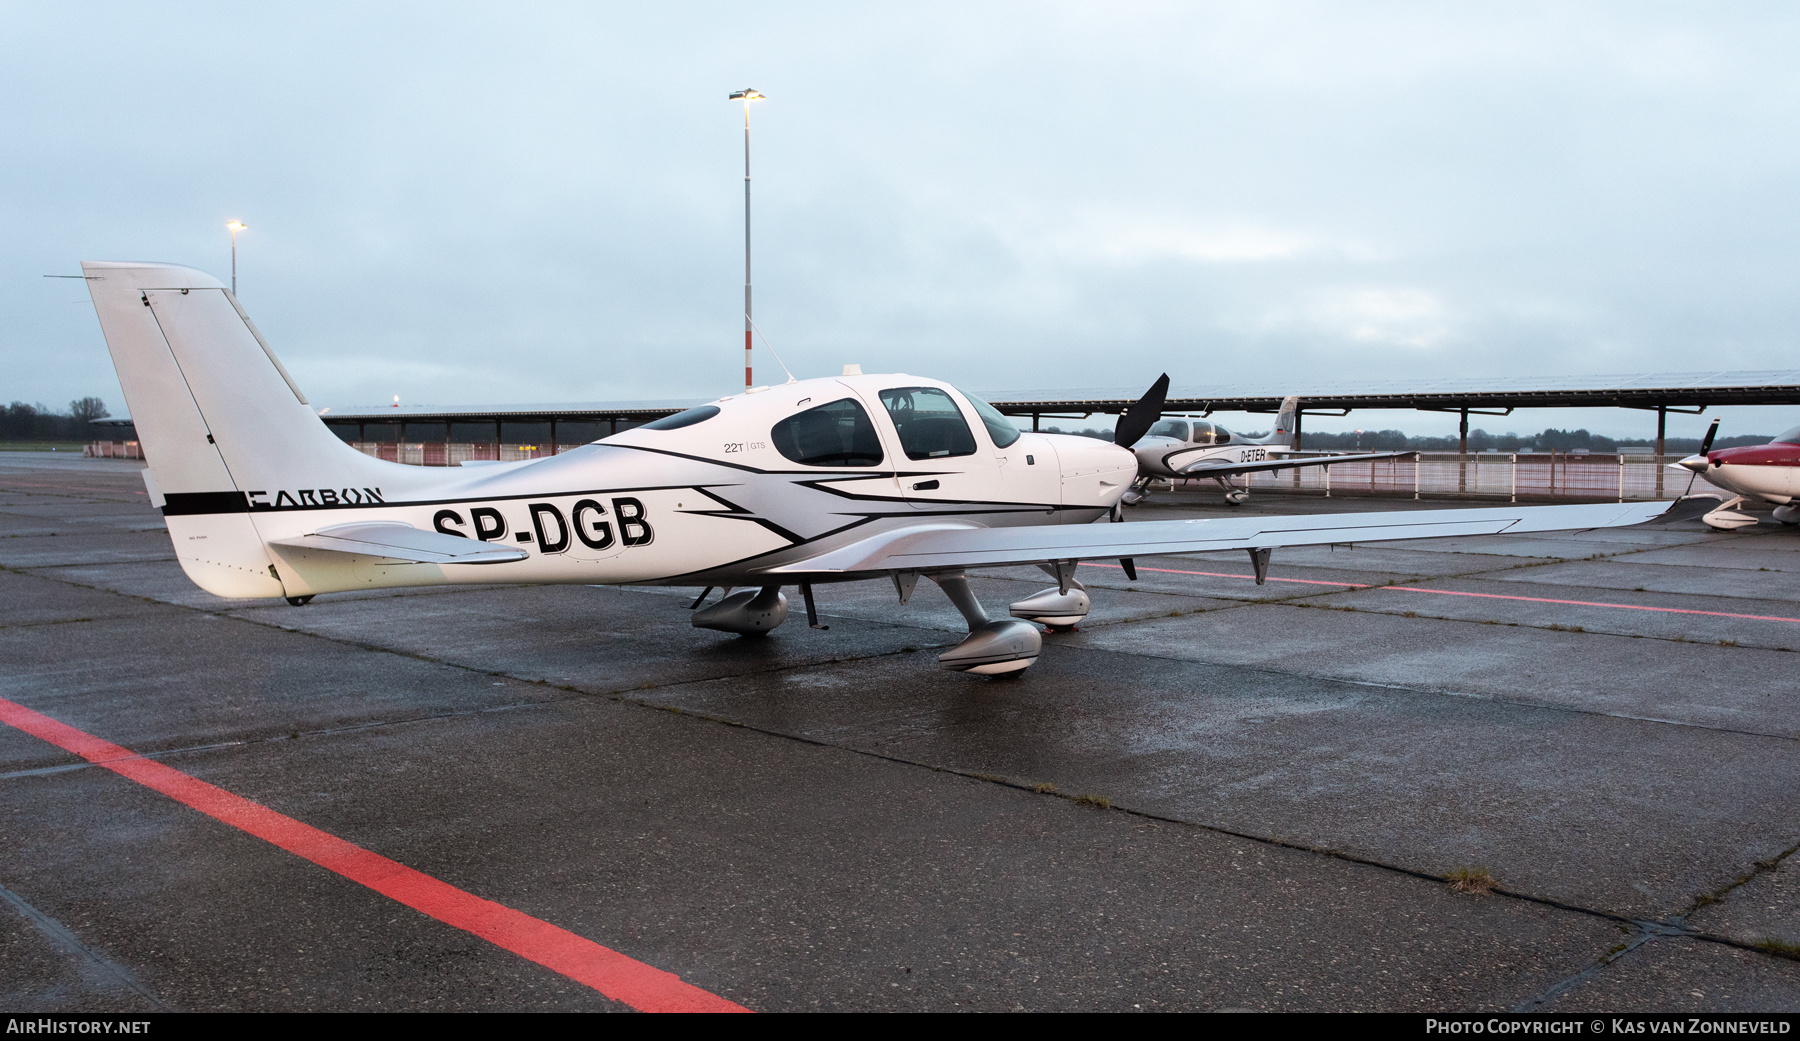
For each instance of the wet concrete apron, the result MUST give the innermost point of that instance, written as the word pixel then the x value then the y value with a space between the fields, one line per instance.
pixel 1216 795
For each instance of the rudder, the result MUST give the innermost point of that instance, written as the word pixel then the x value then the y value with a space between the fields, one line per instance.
pixel 1286 424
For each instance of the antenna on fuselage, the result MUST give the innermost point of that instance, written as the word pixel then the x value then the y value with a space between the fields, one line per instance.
pixel 771 347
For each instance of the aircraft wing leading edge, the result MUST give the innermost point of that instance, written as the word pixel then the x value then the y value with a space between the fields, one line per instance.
pixel 938 548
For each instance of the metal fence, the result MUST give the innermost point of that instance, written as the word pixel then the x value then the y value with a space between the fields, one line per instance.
pixel 454 453
pixel 417 453
pixel 113 450
pixel 1487 475
pixel 1493 475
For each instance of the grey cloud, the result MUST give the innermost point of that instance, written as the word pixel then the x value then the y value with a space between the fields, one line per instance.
pixel 462 204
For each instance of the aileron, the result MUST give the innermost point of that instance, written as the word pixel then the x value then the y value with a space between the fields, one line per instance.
pixel 942 548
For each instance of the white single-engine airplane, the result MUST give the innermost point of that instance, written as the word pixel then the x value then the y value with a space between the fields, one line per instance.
pixel 1171 449
pixel 821 480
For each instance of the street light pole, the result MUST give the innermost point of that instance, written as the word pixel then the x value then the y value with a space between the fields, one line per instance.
pixel 747 96
pixel 235 226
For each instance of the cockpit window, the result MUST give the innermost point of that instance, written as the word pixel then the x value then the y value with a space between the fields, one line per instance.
pixel 929 423
pixel 682 419
pixel 1792 437
pixel 836 434
pixel 1175 428
pixel 998 426
pixel 1206 433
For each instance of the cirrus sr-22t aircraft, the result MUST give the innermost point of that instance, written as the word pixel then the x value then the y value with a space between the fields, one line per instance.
pixel 1177 448
pixel 822 480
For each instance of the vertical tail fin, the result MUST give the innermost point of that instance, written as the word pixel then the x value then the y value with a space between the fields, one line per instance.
pixel 169 425
pixel 1283 434
pixel 219 418
pixel 214 408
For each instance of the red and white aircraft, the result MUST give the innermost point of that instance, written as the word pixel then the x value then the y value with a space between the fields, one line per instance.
pixel 1754 473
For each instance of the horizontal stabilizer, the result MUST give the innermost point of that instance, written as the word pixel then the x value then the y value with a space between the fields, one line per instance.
pixel 395 540
pixel 937 547
pixel 1216 467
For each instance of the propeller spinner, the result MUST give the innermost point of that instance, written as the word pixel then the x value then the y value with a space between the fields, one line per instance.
pixel 1698 461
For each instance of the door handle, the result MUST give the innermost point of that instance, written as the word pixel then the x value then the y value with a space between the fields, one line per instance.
pixel 925 486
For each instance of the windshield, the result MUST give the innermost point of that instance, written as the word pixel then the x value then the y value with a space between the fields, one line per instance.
pixel 1175 428
pixel 682 419
pixel 999 427
pixel 1792 437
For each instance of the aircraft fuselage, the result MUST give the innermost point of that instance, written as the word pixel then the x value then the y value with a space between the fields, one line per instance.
pixel 1168 457
pixel 711 503
pixel 1770 472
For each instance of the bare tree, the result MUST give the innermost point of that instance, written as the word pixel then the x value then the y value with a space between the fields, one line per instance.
pixel 86 410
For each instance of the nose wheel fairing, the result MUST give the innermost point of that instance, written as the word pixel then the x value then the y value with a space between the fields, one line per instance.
pixel 1056 608
pixel 1727 516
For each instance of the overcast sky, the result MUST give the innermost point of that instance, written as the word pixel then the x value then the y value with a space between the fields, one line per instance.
pixel 522 203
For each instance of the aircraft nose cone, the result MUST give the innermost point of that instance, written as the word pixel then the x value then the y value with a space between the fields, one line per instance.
pixel 1696 463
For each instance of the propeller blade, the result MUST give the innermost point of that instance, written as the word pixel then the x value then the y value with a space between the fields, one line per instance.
pixel 1139 418
pixel 1705 447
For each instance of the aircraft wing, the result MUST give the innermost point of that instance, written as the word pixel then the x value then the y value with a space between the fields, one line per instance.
pixel 1221 468
pixel 397 540
pixel 945 547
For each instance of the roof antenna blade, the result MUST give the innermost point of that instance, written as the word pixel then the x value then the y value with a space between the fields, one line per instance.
pixel 771 347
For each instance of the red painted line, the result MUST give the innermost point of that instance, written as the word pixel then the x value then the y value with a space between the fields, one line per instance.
pixel 623 979
pixel 1591 603
pixel 1224 574
pixel 1485 596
